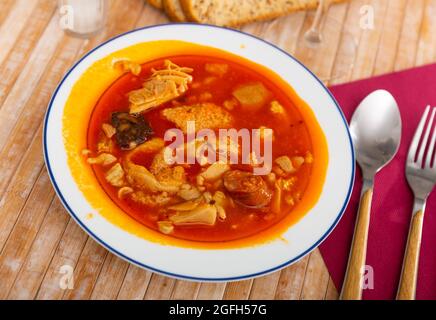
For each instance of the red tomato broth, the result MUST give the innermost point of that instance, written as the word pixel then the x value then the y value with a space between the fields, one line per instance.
pixel 291 138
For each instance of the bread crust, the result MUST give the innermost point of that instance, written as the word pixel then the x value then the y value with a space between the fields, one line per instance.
pixel 172 12
pixel 155 3
pixel 192 14
pixel 188 10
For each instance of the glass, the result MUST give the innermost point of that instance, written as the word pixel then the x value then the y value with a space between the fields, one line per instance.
pixel 82 18
pixel 313 36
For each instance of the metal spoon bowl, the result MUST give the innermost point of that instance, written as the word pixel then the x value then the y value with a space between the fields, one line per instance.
pixel 376 131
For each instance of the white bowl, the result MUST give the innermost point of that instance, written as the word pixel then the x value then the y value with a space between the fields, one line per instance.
pixel 207 264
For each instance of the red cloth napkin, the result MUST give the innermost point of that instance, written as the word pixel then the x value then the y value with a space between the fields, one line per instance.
pixel 392 201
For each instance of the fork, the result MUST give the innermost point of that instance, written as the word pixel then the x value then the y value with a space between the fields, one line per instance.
pixel 421 177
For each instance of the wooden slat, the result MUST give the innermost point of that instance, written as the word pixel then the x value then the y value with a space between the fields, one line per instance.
pixel 25 127
pixel 18 192
pixel 348 44
pixel 238 290
pixel 24 131
pixel 67 254
pixel 159 288
pixel 151 16
pixel 86 271
pixel 406 53
pixel 28 80
pixel 321 60
pixel 369 40
pixel 291 281
pixel 332 292
pixel 41 252
pixel 110 279
pixel 211 291
pixel 388 45
pixel 284 32
pixel 17 145
pixel 14 23
pixel 20 240
pixel 316 279
pixel 31 119
pixel 26 41
pixel 427 35
pixel 5 8
pixel 135 284
pixel 264 288
pixel 185 290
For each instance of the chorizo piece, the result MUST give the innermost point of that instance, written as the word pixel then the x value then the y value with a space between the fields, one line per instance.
pixel 247 189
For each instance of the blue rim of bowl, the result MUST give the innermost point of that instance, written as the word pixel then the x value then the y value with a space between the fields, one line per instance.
pixel 171 274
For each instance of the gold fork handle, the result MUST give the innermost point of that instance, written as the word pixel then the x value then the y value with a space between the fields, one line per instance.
pixel 409 274
pixel 353 282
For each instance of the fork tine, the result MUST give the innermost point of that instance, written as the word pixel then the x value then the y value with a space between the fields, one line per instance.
pixel 425 139
pixel 431 149
pixel 415 142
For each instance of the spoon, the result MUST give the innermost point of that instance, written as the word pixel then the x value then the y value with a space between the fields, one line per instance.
pixel 376 132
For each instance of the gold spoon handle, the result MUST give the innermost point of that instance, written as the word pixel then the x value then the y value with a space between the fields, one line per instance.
pixel 409 274
pixel 353 282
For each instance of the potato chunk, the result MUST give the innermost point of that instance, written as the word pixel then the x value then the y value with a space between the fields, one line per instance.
pixel 252 95
pixel 218 69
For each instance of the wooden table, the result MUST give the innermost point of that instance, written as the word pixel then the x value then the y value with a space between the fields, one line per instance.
pixel 38 237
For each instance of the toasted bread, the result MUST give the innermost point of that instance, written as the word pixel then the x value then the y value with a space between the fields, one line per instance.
pixel 156 3
pixel 234 13
pixel 174 11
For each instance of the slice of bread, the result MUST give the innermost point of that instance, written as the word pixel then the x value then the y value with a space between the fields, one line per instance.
pixel 156 3
pixel 234 13
pixel 173 9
